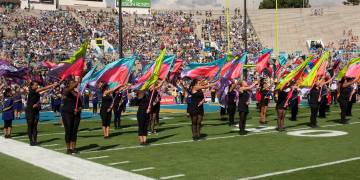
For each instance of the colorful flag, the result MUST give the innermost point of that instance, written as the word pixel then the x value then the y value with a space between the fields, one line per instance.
pixel 344 69
pixel 156 71
pixel 354 70
pixel 310 78
pixel 58 70
pixel 164 70
pixel 293 74
pixel 204 70
pixel 283 58
pixel 263 62
pixel 48 64
pixel 233 69
pixel 86 79
pixel 75 69
pixel 115 73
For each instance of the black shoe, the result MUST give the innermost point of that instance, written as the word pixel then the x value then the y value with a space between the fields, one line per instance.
pixel 243 133
pixel 33 143
pixel 74 151
pixel 314 126
pixel 196 138
pixel 68 151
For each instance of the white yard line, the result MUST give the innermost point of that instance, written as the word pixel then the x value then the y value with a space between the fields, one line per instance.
pixel 98 157
pixel 116 163
pixel 174 176
pixel 211 138
pixel 142 169
pixel 66 165
pixel 49 145
pixel 301 169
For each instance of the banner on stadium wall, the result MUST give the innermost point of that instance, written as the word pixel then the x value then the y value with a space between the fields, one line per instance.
pixel 167 100
pixel 136 3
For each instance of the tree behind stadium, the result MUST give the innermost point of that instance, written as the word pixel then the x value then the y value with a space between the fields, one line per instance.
pixel 270 4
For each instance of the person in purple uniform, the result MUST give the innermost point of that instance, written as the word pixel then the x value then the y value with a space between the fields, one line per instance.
pixel 18 106
pixel 8 112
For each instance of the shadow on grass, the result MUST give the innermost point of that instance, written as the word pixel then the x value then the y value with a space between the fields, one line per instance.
pixel 168 128
pixel 47 141
pixel 90 136
pixel 218 124
pixel 87 147
pixel 107 147
pixel 120 133
pixel 152 140
pixel 19 134
pixel 299 124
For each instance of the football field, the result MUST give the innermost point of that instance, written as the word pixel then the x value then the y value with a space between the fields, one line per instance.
pixel 331 151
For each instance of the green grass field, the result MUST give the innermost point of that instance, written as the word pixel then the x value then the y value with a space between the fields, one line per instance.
pixel 222 155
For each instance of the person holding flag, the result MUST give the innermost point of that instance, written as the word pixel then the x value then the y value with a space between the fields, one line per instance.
pixel 107 104
pixel 344 95
pixel 314 102
pixel 142 100
pixel 71 115
pixel 243 104
pixel 154 107
pixel 231 102
pixel 196 106
pixel 32 110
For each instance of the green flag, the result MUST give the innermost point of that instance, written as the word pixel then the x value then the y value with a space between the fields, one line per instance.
pixel 308 81
pixel 344 69
pixel 293 73
pixel 79 53
pixel 155 75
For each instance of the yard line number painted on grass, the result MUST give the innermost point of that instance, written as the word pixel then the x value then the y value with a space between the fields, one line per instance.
pixel 317 133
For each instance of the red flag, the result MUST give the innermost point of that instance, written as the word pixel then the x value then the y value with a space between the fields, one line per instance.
pixel 263 62
pixel 48 64
pixel 76 69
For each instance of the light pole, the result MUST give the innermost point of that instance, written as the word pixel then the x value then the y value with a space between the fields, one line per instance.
pixel 245 38
pixel 120 31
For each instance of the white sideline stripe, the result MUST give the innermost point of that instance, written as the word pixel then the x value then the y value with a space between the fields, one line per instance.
pixel 300 169
pixel 116 163
pixel 142 169
pixel 49 145
pixel 59 149
pixel 99 157
pixel 66 165
pixel 212 138
pixel 174 176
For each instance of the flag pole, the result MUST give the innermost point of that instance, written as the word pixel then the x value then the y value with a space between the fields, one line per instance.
pixel 277 31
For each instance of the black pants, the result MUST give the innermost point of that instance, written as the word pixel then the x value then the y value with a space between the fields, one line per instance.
pixel 333 97
pixel 71 126
pixel 294 111
pixel 222 111
pixel 231 111
pixel 32 122
pixel 143 123
pixel 322 108
pixel 242 123
pixel 349 108
pixel 117 117
pixel 314 112
pixel 343 107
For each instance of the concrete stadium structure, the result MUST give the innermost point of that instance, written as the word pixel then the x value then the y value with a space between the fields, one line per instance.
pixel 296 26
pixel 81 4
